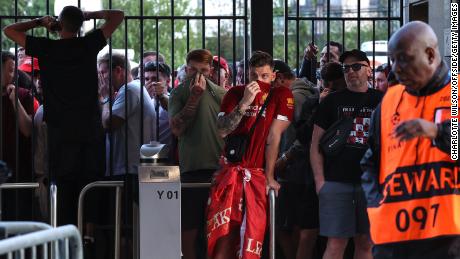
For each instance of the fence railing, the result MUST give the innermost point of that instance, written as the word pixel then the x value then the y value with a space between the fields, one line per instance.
pixel 53 206
pixel 271 198
pixel 11 228
pixel 103 184
pixel 271 201
pixel 65 241
pixel 15 186
pixel 119 184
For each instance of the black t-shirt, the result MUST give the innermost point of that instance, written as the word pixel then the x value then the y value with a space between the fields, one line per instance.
pixel 68 69
pixel 345 166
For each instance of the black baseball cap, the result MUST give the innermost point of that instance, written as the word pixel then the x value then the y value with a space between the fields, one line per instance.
pixel 281 67
pixel 357 54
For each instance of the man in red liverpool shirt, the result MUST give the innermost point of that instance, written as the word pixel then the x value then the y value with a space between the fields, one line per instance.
pixel 236 219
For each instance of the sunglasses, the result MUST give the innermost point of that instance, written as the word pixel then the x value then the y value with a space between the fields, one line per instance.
pixel 356 67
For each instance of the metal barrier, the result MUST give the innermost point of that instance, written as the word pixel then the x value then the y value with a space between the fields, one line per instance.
pixel 15 186
pixel 271 200
pixel 195 185
pixel 66 239
pixel 10 228
pixel 118 185
pixel 53 207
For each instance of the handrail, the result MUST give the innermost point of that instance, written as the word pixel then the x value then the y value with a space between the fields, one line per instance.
pixel 22 227
pixel 12 186
pixel 271 195
pixel 195 185
pixel 272 198
pixel 105 184
pixel 45 236
pixel 7 186
pixel 53 207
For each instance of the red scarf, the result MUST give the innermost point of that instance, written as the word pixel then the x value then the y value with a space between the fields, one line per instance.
pixel 225 210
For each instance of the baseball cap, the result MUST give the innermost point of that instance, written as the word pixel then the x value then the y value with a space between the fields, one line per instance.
pixel 357 54
pixel 223 62
pixel 281 67
pixel 27 65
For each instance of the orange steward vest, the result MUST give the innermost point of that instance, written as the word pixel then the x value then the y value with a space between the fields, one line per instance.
pixel 420 184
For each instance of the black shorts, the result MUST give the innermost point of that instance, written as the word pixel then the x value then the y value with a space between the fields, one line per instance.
pixel 195 200
pixel 297 206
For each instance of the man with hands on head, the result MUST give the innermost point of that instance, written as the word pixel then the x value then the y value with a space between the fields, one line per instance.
pixel 68 69
pixel 241 186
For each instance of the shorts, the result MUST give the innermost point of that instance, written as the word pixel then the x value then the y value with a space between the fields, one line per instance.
pixel 195 200
pixel 342 210
pixel 297 206
pixel 441 247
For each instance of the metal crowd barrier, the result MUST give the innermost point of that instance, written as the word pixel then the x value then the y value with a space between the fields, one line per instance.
pixel 11 228
pixel 271 198
pixel 119 184
pixel 15 186
pixel 53 206
pixel 105 184
pixel 65 241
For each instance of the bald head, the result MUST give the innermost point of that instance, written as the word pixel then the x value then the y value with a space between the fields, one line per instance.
pixel 414 52
pixel 418 33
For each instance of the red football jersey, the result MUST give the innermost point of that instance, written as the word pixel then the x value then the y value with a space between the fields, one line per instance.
pixel 280 107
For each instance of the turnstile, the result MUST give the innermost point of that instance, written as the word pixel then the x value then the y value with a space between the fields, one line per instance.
pixel 159 207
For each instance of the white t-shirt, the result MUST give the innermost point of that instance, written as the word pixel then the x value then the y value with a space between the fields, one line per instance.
pixel 133 118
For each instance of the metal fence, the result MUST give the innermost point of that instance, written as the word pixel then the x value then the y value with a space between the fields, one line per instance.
pixel 104 184
pixel 225 31
pixel 119 184
pixel 35 240
pixel 209 28
pixel 320 22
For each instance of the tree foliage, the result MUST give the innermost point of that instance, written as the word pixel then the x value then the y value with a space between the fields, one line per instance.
pixel 176 39
pixel 24 8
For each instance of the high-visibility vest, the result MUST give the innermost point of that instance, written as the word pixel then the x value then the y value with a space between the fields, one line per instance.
pixel 420 183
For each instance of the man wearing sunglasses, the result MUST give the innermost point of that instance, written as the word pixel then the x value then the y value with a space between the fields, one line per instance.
pixel 342 208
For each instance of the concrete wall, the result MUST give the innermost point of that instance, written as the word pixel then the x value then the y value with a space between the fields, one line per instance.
pixel 439 20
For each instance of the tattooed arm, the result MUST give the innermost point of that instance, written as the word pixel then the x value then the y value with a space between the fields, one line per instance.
pixel 228 123
pixel 181 120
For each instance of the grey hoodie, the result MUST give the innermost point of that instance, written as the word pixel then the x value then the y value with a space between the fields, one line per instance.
pixel 306 96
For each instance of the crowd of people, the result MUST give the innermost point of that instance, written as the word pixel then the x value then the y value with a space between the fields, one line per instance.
pixel 351 153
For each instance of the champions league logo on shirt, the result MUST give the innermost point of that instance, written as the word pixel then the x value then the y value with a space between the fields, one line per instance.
pixel 395 118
